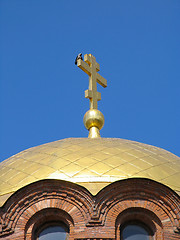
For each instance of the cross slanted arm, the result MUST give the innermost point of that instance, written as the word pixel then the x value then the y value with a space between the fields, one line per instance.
pixel 91 67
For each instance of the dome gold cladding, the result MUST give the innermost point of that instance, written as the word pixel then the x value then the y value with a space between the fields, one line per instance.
pixel 92 163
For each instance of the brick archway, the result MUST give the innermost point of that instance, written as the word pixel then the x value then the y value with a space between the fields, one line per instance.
pixel 44 216
pixel 95 217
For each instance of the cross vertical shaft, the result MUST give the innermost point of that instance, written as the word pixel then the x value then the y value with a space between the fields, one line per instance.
pixel 92 85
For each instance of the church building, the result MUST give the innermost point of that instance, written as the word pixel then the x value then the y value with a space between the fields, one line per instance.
pixel 90 188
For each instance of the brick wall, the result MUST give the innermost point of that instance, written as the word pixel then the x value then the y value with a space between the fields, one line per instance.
pixel 91 217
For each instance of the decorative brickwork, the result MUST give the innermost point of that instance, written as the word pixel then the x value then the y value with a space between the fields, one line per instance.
pixel 91 217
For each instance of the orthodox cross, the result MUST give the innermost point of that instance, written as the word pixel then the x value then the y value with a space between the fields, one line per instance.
pixel 91 67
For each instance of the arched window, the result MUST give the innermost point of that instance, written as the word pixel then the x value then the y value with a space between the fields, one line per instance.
pixel 53 231
pixel 135 231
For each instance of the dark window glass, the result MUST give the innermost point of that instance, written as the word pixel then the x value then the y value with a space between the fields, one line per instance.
pixel 135 232
pixel 53 233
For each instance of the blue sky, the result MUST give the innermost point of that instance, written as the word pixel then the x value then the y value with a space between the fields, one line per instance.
pixel 136 43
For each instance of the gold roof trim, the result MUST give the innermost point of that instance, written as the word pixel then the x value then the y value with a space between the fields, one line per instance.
pixel 90 162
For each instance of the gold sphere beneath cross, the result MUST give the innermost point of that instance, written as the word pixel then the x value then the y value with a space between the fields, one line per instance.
pixel 93 121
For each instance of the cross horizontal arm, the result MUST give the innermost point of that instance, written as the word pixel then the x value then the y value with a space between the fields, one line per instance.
pixel 102 81
pixel 89 94
pixel 84 66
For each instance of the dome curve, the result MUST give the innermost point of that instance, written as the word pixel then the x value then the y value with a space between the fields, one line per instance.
pixel 92 163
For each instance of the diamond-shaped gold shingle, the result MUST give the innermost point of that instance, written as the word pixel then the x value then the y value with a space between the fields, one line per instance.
pixel 92 163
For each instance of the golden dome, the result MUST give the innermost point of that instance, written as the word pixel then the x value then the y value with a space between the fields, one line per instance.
pixel 92 163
